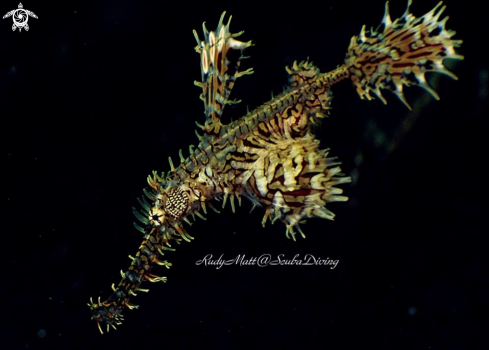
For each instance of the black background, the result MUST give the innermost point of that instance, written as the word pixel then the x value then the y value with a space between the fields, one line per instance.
pixel 96 95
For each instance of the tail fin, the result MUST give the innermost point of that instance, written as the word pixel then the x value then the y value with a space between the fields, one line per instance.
pixel 400 52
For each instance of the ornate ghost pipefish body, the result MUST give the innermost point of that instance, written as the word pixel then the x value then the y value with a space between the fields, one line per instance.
pixel 271 155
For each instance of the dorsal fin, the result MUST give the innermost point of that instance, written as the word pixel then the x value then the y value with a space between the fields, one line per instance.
pixel 218 76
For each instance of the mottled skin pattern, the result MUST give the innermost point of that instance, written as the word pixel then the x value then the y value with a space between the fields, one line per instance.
pixel 271 155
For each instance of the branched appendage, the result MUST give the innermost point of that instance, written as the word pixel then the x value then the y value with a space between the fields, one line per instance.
pixel 399 53
pixel 161 220
pixel 109 312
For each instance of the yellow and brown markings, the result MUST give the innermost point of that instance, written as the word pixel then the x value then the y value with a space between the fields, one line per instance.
pixel 401 54
pixel 176 203
pixel 270 155
pixel 219 73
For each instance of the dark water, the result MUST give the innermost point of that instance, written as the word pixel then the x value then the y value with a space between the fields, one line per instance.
pixel 96 95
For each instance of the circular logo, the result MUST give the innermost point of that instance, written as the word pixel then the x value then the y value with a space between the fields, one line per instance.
pixel 20 17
